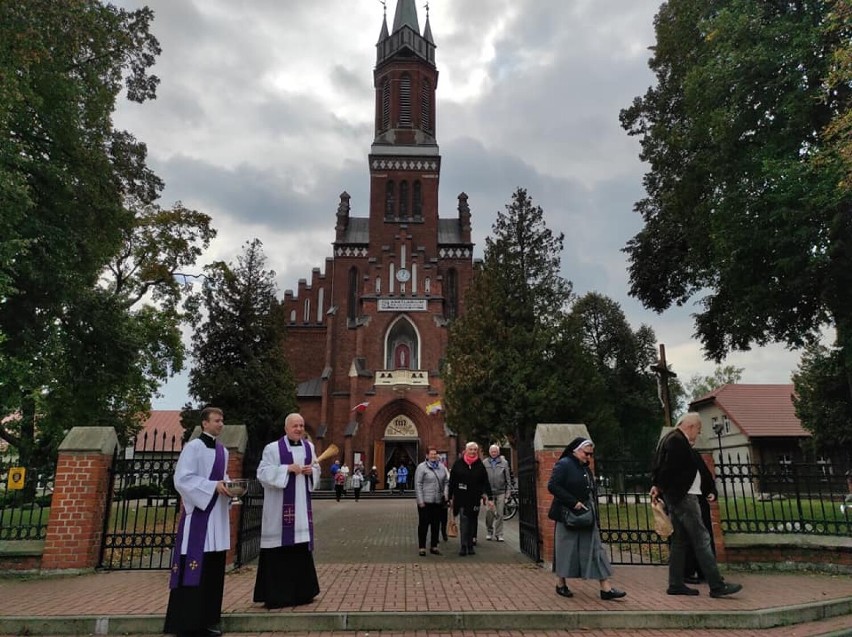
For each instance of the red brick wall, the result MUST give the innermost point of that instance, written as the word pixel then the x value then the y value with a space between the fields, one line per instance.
pixel 75 526
pixel 545 460
pixel 780 554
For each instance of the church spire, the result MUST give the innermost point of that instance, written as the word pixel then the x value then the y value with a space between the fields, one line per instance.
pixel 406 14
pixel 405 38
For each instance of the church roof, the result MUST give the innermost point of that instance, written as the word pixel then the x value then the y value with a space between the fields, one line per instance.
pixel 449 231
pixel 406 14
pixel 357 231
pixel 310 388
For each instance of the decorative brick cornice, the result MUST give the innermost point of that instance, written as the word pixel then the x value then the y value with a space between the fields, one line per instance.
pixel 455 253
pixel 396 163
pixel 350 251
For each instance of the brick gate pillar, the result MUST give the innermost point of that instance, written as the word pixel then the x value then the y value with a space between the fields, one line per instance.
pixel 78 506
pixel 715 513
pixel 549 442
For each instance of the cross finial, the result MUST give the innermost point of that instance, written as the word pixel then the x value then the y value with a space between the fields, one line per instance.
pixel 427 9
pixel 384 7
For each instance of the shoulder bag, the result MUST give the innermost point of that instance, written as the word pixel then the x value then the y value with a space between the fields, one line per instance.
pixel 574 519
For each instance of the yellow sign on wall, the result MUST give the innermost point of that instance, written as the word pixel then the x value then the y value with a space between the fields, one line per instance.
pixel 16 478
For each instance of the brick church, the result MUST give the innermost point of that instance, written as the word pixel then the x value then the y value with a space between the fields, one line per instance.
pixel 367 335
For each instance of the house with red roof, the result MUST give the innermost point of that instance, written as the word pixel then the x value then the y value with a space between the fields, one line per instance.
pixel 161 435
pixel 751 423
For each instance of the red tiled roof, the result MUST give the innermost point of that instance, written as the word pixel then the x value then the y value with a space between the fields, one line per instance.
pixel 162 427
pixel 760 411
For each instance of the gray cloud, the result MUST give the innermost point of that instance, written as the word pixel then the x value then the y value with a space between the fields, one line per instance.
pixel 265 114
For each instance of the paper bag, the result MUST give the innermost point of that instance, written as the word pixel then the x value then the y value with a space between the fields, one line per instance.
pixel 662 523
pixel 452 528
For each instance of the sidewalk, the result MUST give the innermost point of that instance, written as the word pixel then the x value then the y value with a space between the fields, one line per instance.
pixel 373 580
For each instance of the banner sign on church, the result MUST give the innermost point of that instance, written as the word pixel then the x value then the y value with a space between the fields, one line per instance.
pixel 402 305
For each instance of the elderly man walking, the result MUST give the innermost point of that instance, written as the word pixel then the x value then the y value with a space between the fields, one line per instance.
pixel 500 478
pixel 677 478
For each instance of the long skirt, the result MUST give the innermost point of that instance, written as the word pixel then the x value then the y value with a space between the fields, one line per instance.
pixel 580 553
pixel 286 576
pixel 192 609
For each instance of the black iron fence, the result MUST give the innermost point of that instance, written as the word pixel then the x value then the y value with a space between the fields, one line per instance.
pixel 803 498
pixel 143 506
pixel 624 513
pixel 25 494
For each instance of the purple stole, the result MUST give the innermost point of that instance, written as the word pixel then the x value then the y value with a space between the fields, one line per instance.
pixel 191 575
pixel 288 512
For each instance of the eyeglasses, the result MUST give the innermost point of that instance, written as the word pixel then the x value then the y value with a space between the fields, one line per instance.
pixel 588 453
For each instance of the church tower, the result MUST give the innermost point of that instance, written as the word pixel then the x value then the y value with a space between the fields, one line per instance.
pixel 367 335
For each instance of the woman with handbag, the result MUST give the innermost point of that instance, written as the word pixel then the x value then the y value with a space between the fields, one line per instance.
pixel 578 551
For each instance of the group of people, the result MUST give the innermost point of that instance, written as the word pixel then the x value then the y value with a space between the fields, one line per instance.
pixel 289 472
pixel 286 575
pixel 471 483
pixel 357 481
pixel 397 478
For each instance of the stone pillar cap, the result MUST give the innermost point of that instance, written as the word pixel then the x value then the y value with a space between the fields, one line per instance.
pixel 92 439
pixel 557 435
pixel 234 437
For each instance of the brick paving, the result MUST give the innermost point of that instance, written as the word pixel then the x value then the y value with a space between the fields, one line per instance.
pixel 369 570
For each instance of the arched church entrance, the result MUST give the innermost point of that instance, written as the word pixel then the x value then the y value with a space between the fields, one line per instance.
pixel 401 446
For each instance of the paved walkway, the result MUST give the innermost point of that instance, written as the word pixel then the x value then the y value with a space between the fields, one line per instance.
pixel 373 582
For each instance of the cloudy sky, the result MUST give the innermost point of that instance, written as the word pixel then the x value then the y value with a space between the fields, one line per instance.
pixel 264 116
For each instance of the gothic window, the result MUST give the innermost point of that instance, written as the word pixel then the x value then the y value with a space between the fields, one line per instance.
pixel 378 285
pixel 389 199
pixel 307 317
pixel 405 101
pixel 352 309
pixel 451 295
pixel 402 345
pixel 386 101
pixel 320 303
pixel 403 199
pixel 425 100
pixel 417 200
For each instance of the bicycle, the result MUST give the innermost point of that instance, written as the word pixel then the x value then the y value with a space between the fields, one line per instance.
pixel 510 507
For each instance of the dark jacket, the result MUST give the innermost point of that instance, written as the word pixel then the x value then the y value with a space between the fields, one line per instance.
pixel 675 464
pixel 468 484
pixel 571 482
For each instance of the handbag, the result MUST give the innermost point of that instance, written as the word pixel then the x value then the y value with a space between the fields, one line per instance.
pixel 662 522
pixel 574 519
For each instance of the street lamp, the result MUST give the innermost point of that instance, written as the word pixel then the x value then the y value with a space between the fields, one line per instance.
pixel 718 428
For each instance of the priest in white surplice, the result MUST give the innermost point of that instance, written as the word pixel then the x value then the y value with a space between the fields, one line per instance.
pixel 288 471
pixel 204 533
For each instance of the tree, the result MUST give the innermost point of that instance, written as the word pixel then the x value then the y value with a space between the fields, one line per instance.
pixel 622 358
pixel 699 385
pixel 239 364
pixel 820 398
pixel 81 340
pixel 746 202
pixel 501 357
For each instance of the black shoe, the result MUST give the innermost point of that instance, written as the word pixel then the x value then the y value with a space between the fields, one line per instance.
pixel 213 631
pixel 681 590
pixel 435 551
pixel 463 551
pixel 446 539
pixel 692 580
pixel 470 551
pixel 564 591
pixel 726 589
pixel 612 593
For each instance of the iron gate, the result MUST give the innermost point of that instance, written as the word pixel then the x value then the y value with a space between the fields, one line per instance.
pixel 251 515
pixel 624 510
pixel 527 503
pixel 142 506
